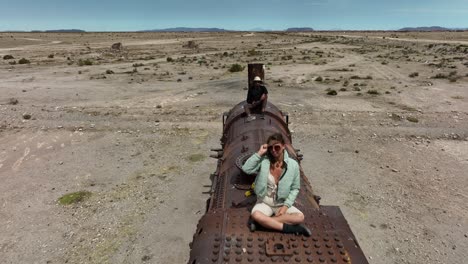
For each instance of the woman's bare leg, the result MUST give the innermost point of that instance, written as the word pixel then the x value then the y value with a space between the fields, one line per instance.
pixel 292 219
pixel 267 221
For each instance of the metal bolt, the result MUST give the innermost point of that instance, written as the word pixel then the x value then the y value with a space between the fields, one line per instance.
pixel 286 258
pixel 333 259
pixel 308 252
pixel 322 259
pixel 306 245
pixel 331 252
pixel 310 259
pixel 250 259
pixel 298 259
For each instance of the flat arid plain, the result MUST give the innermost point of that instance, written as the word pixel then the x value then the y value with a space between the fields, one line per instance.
pixel 381 118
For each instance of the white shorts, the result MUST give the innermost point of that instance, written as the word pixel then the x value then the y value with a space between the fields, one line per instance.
pixel 270 210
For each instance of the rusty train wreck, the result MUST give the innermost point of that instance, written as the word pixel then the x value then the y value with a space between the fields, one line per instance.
pixel 223 234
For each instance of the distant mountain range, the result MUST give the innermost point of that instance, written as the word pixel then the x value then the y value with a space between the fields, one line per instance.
pixel 430 29
pixel 60 31
pixel 258 29
pixel 186 29
pixel 299 29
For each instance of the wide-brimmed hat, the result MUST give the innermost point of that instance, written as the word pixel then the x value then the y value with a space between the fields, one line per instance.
pixel 257 79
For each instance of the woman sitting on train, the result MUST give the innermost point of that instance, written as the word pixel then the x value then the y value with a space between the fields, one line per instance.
pixel 276 186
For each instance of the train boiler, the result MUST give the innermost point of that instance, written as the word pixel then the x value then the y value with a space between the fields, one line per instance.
pixel 223 234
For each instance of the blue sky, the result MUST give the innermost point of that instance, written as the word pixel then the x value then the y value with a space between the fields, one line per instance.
pixel 127 15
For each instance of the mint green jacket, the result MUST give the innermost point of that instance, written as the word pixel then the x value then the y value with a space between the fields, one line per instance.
pixel 288 185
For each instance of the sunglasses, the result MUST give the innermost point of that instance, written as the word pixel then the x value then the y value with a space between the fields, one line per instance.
pixel 276 147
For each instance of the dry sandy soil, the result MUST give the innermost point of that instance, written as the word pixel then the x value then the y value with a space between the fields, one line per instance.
pixel 134 130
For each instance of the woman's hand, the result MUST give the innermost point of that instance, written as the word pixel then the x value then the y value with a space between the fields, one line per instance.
pixel 263 149
pixel 282 210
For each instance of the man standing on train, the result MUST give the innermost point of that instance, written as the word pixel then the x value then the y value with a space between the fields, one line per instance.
pixel 257 97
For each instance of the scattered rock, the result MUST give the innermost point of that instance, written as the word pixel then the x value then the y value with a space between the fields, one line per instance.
pixel 27 116
pixel 8 57
pixel 394 170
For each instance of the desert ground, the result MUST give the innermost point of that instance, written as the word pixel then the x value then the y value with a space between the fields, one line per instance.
pixel 381 118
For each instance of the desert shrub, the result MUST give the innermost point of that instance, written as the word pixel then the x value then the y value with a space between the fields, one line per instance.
pixel 343 89
pixel 236 68
pixel 225 54
pixel 319 79
pixel 13 101
pixel 86 62
pixel 109 72
pixel 373 92
pixel 169 59
pixel 440 76
pixel 346 83
pixel 253 52
pixel 24 61
pixel 12 62
pixel 356 77
pixel 413 74
pixel 453 78
pixel 332 92
pixel 51 56
pixel 75 197
pixel 412 119
pixel 8 57
pixel 137 65
pixel 191 45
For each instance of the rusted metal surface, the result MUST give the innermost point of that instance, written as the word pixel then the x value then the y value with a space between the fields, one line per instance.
pixel 223 234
